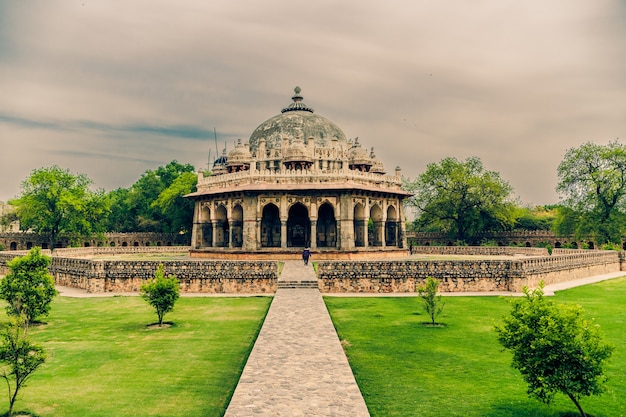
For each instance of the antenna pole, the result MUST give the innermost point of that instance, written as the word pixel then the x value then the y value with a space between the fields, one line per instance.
pixel 217 152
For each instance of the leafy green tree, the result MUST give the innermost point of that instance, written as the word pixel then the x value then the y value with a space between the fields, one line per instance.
pixel 462 199
pixel 28 288
pixel 54 201
pixel 161 293
pixel 153 203
pixel 433 303
pixel 19 358
pixel 592 179
pixel 535 218
pixel 555 348
pixel 174 206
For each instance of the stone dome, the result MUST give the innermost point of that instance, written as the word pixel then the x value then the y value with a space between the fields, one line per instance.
pixel 297 152
pixel 296 120
pixel 358 156
pixel 240 155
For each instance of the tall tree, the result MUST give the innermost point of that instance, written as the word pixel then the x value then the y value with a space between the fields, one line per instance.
pixel 143 208
pixel 462 198
pixel 54 201
pixel 172 204
pixel 555 348
pixel 592 179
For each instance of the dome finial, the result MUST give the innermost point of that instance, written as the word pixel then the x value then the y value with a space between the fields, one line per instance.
pixel 297 104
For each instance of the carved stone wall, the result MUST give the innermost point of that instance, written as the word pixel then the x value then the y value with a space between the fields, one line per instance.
pixel 464 275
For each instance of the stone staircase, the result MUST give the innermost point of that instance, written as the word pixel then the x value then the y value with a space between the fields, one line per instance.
pixel 298 284
pixel 297 275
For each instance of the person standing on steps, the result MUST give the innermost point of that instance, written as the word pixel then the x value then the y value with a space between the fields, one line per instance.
pixel 306 254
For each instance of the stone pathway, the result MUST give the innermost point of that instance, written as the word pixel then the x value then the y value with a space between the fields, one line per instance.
pixel 297 366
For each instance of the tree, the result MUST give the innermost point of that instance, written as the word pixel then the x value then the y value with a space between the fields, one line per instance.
pixel 154 202
pixel 54 201
pixel 592 179
pixel 433 303
pixel 19 358
pixel 174 206
pixel 28 288
pixel 555 348
pixel 461 198
pixel 161 293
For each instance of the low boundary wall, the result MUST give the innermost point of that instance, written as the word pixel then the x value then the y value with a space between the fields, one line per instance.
pixel 71 267
pixel 465 275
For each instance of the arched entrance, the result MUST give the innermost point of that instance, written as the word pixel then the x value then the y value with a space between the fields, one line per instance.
pixel 376 231
pixel 206 235
pixel 391 227
pixel 237 227
pixel 326 227
pixel 360 225
pixel 222 227
pixel 298 226
pixel 270 227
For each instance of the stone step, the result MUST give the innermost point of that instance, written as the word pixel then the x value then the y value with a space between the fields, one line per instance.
pixel 297 284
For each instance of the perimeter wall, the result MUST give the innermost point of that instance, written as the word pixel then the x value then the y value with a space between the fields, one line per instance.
pixel 524 267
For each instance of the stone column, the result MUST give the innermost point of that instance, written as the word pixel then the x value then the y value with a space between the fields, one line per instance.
pixel 313 236
pixel 383 243
pixel 283 233
pixel 214 230
pixel 345 223
pixel 196 229
pixel 366 238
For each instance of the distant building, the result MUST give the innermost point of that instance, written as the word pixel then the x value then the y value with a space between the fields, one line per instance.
pixel 12 227
pixel 298 182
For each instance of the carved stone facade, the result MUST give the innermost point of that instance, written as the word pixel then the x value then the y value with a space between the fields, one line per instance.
pixel 298 182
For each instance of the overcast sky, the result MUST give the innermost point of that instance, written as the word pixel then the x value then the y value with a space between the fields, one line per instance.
pixel 114 88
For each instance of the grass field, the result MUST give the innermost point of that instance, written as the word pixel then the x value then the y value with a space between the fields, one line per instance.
pixel 406 369
pixel 103 359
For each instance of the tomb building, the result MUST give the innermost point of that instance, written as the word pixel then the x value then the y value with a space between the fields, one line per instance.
pixel 298 182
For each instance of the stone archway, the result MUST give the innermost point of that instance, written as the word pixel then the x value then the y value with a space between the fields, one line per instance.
pixel 206 227
pixel 391 227
pixel 270 227
pixel 326 227
pixel 222 227
pixel 237 227
pixel 298 226
pixel 360 225
pixel 377 229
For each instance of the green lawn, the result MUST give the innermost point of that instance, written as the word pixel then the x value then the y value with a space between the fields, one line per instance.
pixel 406 369
pixel 103 359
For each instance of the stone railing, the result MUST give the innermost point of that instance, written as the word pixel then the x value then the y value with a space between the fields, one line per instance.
pixel 97 276
pixel 118 250
pixel 464 275
pixel 479 250
pixel 303 176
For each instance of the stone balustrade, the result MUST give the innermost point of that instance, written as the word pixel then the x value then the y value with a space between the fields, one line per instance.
pixel 297 176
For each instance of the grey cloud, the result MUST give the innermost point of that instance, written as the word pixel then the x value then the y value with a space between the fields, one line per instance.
pixel 514 83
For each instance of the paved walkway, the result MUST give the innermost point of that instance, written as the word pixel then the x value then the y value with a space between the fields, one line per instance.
pixel 297 366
